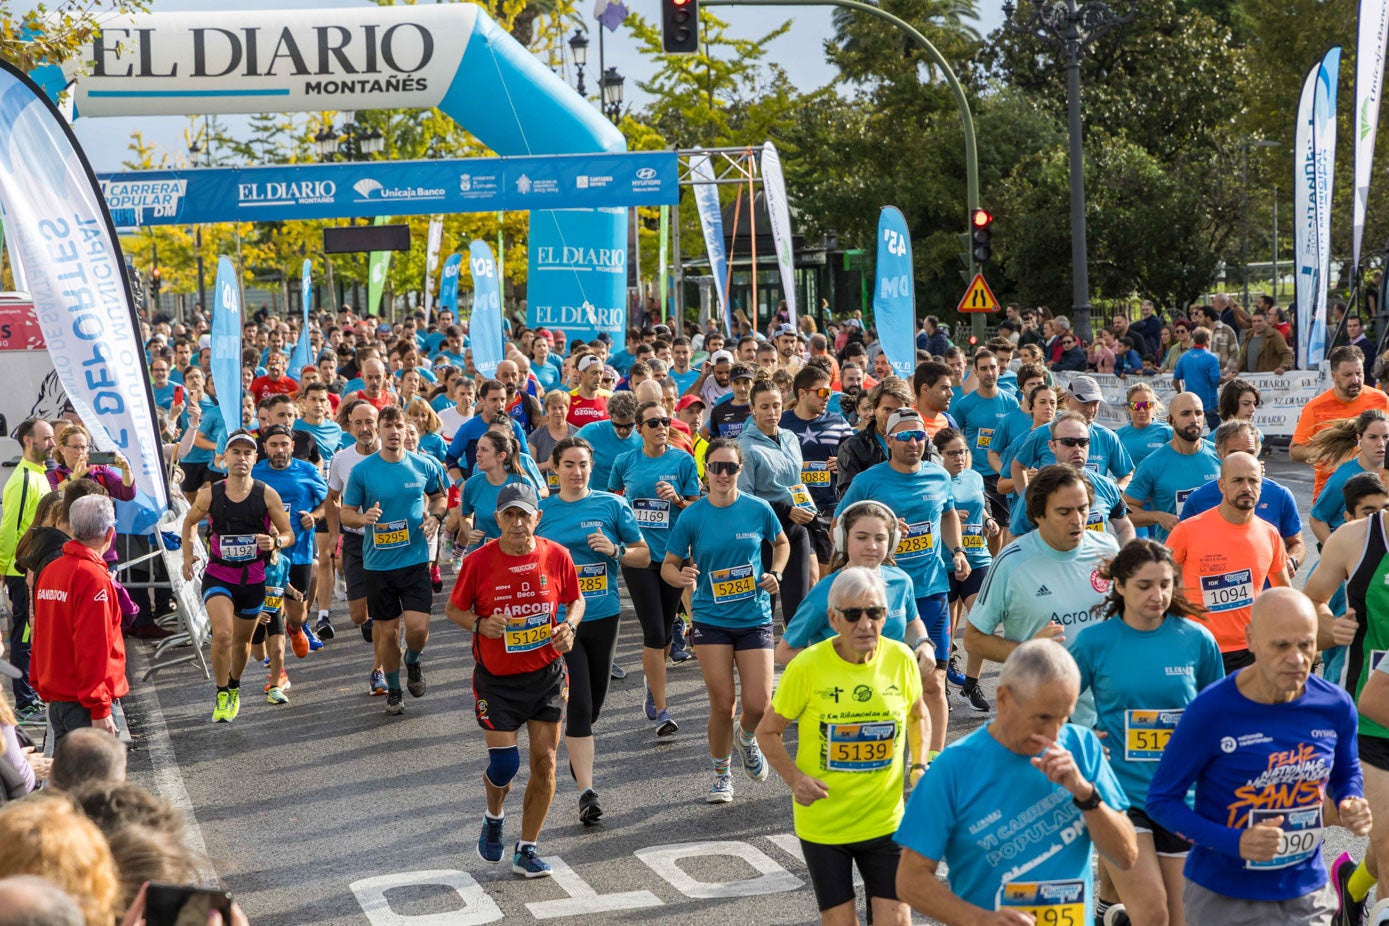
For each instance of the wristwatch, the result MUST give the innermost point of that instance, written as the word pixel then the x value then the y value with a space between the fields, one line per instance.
pixel 1091 802
pixel 957 551
pixel 776 575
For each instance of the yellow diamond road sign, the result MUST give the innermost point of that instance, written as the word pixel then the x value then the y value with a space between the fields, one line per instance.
pixel 978 298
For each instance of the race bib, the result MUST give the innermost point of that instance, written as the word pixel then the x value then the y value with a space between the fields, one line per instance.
pixel 1229 591
pixel 274 599
pixel 734 584
pixel 652 512
pixel 917 541
pixel 593 579
pixel 1182 495
pixel 238 548
pixel 390 535
pixel 816 473
pixel 985 439
pixel 859 747
pixel 524 634
pixel 1301 838
pixel 1050 903
pixel 973 537
pixel 800 497
pixel 1146 733
pixel 552 480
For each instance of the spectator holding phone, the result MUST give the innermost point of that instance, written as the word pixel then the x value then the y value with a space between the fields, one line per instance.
pixel 75 461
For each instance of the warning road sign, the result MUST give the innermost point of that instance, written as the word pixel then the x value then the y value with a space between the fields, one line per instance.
pixel 978 298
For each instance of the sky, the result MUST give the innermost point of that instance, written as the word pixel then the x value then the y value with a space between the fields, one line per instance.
pixel 799 52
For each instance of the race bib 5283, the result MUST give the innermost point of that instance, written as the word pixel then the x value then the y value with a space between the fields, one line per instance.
pixel 917 541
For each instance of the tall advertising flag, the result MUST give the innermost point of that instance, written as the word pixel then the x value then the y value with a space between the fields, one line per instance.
pixel 894 297
pixel 300 357
pixel 448 284
pixel 431 261
pixel 774 188
pixel 225 361
pixel 1369 83
pixel 1314 164
pixel 64 253
pixel 377 265
pixel 711 221
pixel 485 328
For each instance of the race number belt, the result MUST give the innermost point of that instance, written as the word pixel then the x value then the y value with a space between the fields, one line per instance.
pixel 1228 591
pixel 238 548
pixel 800 497
pixel 1146 733
pixel 917 541
pixel 1050 903
pixel 736 583
pixel 859 747
pixel 973 537
pixel 593 579
pixel 651 512
pixel 1300 839
pixel 390 535
pixel 524 634
pixel 816 473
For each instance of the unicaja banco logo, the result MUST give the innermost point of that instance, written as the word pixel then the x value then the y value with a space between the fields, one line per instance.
pixel 366 186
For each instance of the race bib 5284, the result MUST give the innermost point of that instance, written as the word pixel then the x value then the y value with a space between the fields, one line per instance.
pixel 736 583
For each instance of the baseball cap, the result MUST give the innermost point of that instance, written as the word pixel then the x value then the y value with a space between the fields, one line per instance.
pixel 275 430
pixel 545 333
pixel 204 341
pixel 721 356
pixel 383 329
pixel 902 415
pixel 783 329
pixel 1085 389
pixel 518 495
pixel 742 371
pixel 687 401
pixel 241 434
pixel 589 360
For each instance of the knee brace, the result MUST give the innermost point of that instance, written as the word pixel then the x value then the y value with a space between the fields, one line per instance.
pixel 502 764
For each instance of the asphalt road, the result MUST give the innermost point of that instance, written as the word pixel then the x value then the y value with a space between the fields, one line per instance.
pixel 327 811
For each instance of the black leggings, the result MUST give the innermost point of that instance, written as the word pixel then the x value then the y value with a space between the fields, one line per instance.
pixel 795 578
pixel 655 603
pixel 590 666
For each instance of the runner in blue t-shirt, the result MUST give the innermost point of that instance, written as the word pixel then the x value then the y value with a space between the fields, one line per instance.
pixel 1368 435
pixel 385 496
pixel 497 465
pixel 1162 482
pixel 1070 442
pixel 715 551
pixel 981 414
pixel 1144 433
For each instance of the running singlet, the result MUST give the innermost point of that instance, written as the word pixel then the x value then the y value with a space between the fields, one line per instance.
pixel 919 498
pixel 726 546
pixel 981 419
pixel 397 538
pixel 586 411
pixel 811 623
pixel 1163 481
pixel 1366 592
pixel 1224 566
pixel 570 524
pixel 851 729
pixel 232 551
pixel 635 475
pixel 528 591
pixel 1010 836
pixel 1250 762
pixel 1141 682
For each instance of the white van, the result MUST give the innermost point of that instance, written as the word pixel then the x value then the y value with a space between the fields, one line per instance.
pixel 29 385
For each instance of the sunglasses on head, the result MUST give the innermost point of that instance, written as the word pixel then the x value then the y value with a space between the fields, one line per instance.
pixel 724 467
pixel 875 613
pixel 656 422
pixel 905 436
pixel 1142 406
pixel 1073 441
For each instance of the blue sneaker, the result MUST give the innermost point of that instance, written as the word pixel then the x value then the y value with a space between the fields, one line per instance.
pixel 526 862
pixel 753 763
pixel 315 644
pixel 650 705
pixel 489 844
pixel 665 724
pixel 378 683
pixel 679 643
pixel 953 675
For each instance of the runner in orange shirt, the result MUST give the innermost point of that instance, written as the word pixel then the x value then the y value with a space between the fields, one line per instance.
pixel 933 385
pixel 1347 397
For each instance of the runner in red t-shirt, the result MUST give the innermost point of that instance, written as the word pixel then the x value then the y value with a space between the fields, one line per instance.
pixel 274 382
pixel 588 403
pixel 508 594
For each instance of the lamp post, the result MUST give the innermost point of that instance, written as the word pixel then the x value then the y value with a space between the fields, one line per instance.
pixel 1245 145
pixel 578 46
pixel 355 143
pixel 1071 28
pixel 195 157
pixel 611 86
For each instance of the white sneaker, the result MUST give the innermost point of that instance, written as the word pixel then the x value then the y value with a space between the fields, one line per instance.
pixel 721 791
pixel 1379 914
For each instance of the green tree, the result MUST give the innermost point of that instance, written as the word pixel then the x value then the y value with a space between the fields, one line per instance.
pixel 55 33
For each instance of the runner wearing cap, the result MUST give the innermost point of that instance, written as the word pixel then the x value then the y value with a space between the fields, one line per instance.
pixel 508 595
pixel 729 414
pixel 587 402
pixel 921 495
pixel 246 520
pixel 1105 455
pixel 690 410
pixel 784 337
pixel 385 496
pixel 714 383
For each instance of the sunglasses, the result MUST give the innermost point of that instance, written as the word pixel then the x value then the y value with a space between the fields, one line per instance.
pixel 1068 343
pixel 905 436
pixel 1073 441
pixel 624 426
pixel 821 393
pixel 1140 406
pixel 875 613
pixel 657 422
pixel 723 468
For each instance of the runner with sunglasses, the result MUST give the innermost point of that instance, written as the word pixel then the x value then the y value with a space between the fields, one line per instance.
pixel 716 551
pixel 1145 431
pixel 820 432
pixel 1071 443
pixel 659 482
pixel 921 495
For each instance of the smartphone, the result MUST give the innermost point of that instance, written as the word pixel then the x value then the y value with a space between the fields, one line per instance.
pixel 99 458
pixel 184 905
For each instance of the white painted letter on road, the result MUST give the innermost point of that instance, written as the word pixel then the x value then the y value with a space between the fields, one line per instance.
pixel 477 908
pixel 771 879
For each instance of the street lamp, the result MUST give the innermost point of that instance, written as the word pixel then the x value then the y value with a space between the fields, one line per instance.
pixel 355 143
pixel 195 157
pixel 1245 145
pixel 611 85
pixel 578 45
pixel 1070 28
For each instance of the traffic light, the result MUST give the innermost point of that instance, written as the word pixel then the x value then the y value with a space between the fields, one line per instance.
pixel 680 27
pixel 981 232
pixel 156 280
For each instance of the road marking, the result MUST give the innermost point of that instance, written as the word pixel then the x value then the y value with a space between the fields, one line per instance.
pixel 584 899
pixel 771 879
pixel 477 910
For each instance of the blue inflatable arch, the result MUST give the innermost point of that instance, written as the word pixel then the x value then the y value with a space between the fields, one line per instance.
pixel 453 56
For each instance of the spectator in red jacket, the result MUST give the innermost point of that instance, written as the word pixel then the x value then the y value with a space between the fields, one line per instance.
pixel 78 653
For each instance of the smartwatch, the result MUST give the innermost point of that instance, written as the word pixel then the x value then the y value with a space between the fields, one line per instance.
pixel 1091 802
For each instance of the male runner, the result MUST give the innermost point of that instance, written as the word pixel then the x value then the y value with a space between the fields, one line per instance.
pixel 1347 397
pixel 1071 440
pixel 462 452
pixel 587 402
pixel 981 413
pixel 1169 474
pixel 820 432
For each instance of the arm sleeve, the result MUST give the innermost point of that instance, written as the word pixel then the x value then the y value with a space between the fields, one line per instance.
pixel 1182 763
pixel 679 542
pixel 1097 770
pixel 568 589
pixel 1120 463
pixel 457 446
pixel 689 481
pixel 1176 542
pixel 465 501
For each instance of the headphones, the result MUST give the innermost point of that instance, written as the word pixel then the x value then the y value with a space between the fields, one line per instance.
pixel 840 534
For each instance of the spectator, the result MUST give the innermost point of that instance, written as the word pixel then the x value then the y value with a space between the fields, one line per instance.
pixel 1181 343
pixel 1101 354
pixel 47 835
pixel 1072 357
pixel 26 486
pixel 1120 324
pixel 1264 350
pixel 79 655
pixel 19 770
pixel 28 900
pixel 1150 326
pixel 1224 342
pixel 143 855
pixel 1126 357
pixel 935 341
pixel 86 757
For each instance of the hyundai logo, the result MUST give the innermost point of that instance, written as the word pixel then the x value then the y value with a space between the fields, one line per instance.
pixel 646 173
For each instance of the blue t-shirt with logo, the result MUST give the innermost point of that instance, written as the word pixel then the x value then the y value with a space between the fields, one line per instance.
pixel 1165 480
pixel 1106 455
pixel 570 524
pixel 607 447
pixel 683 381
pixel 811 623
pixel 1139 442
pixel 478 499
pixel 981 419
pixel 397 538
pixel 726 546
pixel 635 475
pixel 919 498
pixel 968 489
pixel 1015 425
pixel 302 488
pixel 208 425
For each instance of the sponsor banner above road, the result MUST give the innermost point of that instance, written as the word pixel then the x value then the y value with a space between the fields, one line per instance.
pixel 327 191
pixel 1283 396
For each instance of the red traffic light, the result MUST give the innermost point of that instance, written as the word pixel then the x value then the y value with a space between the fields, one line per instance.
pixel 982 218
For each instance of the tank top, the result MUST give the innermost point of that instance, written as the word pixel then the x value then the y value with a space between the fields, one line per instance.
pixel 1368 593
pixel 232 551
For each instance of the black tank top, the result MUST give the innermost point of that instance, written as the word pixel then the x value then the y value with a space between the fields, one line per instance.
pixel 233 526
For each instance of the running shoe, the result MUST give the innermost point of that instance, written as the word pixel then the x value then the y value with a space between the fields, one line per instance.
pixel 377 685
pixel 219 711
pixel 589 811
pixel 436 580
pixel 325 629
pixel 233 703
pixel 1379 914
pixel 276 696
pixel 618 672
pixel 721 791
pixel 282 683
pixel 414 679
pixel 489 844
pixel 265 663
pixel 1116 915
pixel 526 862
pixel 953 675
pixel 680 650
pixel 366 630
pixel 315 644
pixel 650 705
pixel 753 763
pixel 1348 911
pixel 299 643
pixel 33 715
pixel 395 701
pixel 974 697
pixel 665 725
